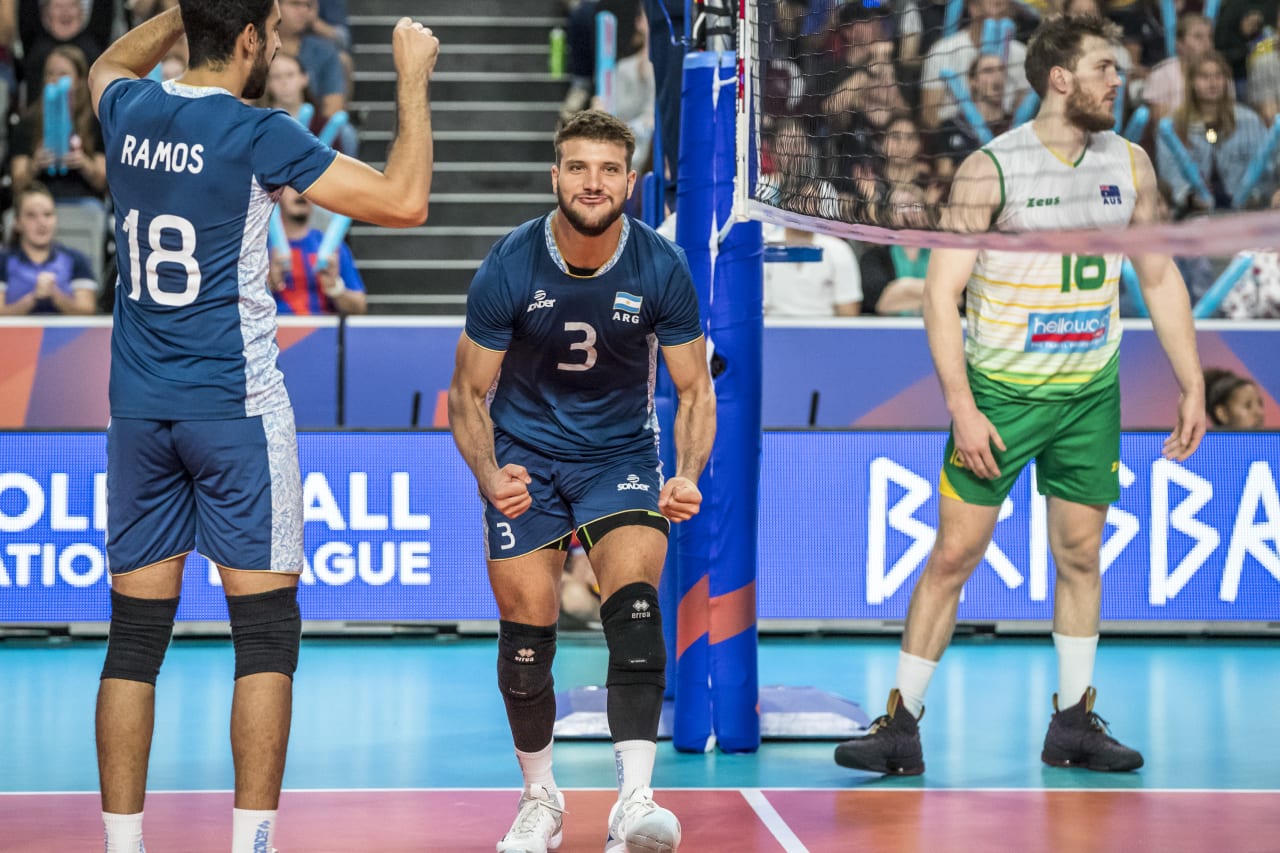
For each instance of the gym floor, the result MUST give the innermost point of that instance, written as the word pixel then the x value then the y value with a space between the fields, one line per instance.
pixel 401 744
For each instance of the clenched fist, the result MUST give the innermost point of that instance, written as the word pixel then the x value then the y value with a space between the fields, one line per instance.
pixel 415 49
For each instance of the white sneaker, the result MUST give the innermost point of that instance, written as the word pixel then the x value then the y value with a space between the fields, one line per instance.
pixel 538 825
pixel 639 825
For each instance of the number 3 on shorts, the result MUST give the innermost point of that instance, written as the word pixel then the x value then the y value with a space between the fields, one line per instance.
pixel 508 538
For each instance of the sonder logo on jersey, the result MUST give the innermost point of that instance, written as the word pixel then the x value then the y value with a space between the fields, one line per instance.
pixel 633 484
pixel 161 155
pixel 540 300
pixel 1071 331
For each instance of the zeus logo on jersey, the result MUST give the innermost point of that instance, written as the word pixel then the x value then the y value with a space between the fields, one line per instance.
pixel 540 300
pixel 633 484
pixel 1110 194
pixel 1072 331
pixel 163 156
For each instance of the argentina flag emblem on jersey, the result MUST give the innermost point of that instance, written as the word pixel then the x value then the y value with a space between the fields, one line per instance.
pixel 628 302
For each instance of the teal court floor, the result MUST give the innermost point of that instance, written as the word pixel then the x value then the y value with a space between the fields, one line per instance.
pixel 401 744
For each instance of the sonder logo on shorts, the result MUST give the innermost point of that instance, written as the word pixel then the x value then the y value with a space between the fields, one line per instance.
pixel 540 300
pixel 633 483
pixel 1070 331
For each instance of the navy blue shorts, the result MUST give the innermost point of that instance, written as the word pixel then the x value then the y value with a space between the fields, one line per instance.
pixel 229 489
pixel 567 495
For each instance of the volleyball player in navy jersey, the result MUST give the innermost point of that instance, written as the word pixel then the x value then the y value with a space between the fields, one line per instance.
pixel 201 451
pixel 566 315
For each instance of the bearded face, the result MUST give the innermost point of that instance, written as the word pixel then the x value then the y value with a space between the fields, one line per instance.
pixel 256 86
pixel 592 184
pixel 1090 112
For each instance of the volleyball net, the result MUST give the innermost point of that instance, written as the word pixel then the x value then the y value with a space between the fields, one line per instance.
pixel 855 117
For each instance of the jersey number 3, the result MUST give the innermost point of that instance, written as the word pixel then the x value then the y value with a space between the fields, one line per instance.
pixel 184 257
pixel 587 345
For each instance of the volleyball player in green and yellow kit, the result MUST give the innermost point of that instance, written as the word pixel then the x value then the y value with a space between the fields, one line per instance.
pixel 1037 378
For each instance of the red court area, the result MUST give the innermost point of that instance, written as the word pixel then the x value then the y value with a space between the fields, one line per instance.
pixel 715 821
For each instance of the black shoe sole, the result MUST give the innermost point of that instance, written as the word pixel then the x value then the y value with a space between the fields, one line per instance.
pixel 885 770
pixel 1077 765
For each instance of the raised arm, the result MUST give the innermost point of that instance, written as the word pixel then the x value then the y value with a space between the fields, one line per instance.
pixel 1165 293
pixel 397 196
pixel 975 199
pixel 695 427
pixel 135 53
pixel 474 371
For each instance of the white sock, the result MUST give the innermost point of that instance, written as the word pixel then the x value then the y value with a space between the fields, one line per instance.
pixel 634 762
pixel 1075 666
pixel 123 832
pixel 536 767
pixel 252 831
pixel 914 674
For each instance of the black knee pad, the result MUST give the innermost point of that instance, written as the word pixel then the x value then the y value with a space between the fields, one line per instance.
pixel 266 630
pixel 633 630
pixel 525 654
pixel 138 637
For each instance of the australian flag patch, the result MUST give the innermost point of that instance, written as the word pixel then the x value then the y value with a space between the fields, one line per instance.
pixel 1110 194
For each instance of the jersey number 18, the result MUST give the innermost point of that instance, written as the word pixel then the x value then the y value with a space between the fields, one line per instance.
pixel 157 255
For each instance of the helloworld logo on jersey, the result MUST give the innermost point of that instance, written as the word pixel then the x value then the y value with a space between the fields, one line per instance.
pixel 1067 331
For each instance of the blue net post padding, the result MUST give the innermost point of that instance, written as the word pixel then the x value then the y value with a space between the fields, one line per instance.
pixel 715 670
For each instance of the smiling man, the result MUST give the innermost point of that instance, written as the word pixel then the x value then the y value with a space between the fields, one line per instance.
pixel 1037 378
pixel 564 321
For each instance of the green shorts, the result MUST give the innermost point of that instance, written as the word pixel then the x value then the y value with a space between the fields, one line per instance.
pixel 1075 443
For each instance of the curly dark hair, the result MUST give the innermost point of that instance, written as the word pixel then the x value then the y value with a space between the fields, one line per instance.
pixel 1057 43
pixel 214 25
pixel 1219 385
pixel 597 126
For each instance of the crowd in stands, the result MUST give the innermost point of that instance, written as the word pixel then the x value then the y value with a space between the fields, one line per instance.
pixel 861 121
pixel 869 106
pixel 55 202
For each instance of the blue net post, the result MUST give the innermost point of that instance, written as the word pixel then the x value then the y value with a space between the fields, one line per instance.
pixel 717 686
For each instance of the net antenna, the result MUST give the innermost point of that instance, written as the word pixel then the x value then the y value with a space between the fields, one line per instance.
pixel 811 135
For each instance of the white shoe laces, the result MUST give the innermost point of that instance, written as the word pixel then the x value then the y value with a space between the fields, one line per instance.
pixel 637 804
pixel 537 818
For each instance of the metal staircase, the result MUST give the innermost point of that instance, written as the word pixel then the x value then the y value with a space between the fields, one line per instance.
pixel 493 109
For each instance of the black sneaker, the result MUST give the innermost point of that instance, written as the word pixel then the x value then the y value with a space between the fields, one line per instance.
pixel 1078 737
pixel 891 745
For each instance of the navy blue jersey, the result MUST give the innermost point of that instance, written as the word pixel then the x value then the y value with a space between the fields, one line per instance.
pixel 581 352
pixel 194 174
